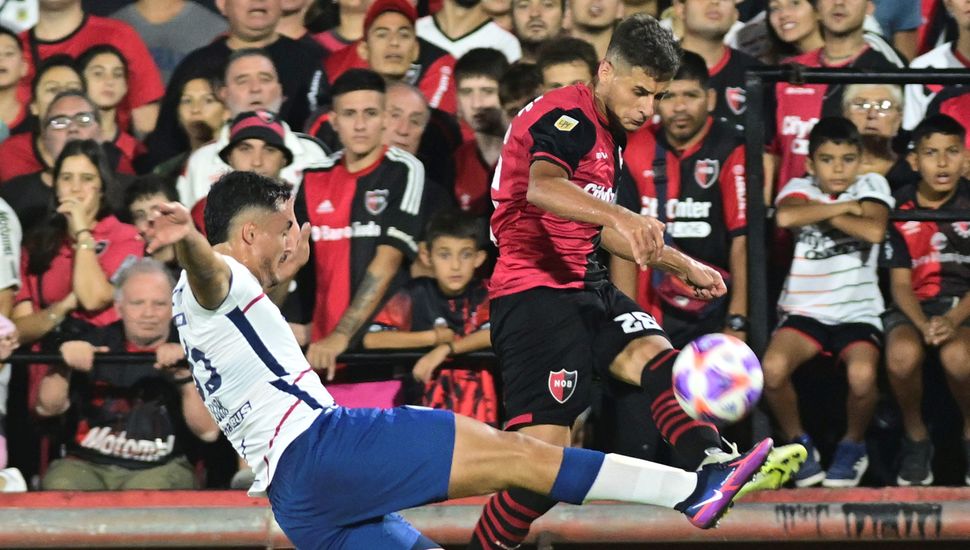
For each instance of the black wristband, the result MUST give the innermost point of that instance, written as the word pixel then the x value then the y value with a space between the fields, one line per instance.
pixel 182 381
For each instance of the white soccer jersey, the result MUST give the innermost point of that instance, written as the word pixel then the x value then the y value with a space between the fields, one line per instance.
pixel 919 96
pixel 833 275
pixel 489 35
pixel 249 370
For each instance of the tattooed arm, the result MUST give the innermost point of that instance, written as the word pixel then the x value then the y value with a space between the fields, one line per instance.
pixel 322 354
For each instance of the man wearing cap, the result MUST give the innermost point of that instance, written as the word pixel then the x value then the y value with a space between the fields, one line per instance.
pixel 256 144
pixel 251 84
pixel 391 48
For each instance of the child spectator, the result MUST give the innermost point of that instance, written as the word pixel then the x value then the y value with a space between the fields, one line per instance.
pixel 518 87
pixel 831 301
pixel 449 313
pixel 105 73
pixel 13 112
pixel 930 284
pixel 142 195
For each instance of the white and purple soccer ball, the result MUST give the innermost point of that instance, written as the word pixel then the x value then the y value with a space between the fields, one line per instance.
pixel 717 379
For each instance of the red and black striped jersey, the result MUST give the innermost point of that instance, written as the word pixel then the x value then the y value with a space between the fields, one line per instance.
pixel 351 214
pixel 538 248
pixel 938 253
pixel 704 201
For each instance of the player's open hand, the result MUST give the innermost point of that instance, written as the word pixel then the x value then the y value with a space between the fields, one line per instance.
pixel 168 223
pixel 425 368
pixel 322 354
pixel 705 280
pixel 644 234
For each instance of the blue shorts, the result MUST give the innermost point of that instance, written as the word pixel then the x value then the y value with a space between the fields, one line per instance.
pixel 340 482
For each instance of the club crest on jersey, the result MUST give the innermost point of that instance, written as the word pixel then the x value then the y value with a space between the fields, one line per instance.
pixel 962 229
pixel 706 172
pixel 562 384
pixel 565 123
pixel 735 98
pixel 376 201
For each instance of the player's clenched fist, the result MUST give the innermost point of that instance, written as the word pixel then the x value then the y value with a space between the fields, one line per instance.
pixel 644 234
pixel 705 280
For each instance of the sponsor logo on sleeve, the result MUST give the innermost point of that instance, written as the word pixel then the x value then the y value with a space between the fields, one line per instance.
pixel 566 123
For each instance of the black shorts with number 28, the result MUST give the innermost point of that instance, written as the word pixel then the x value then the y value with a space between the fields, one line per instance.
pixel 549 342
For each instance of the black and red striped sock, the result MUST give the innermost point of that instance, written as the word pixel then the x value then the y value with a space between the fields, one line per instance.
pixel 689 437
pixel 506 519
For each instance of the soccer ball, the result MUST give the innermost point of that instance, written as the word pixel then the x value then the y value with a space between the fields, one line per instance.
pixel 717 379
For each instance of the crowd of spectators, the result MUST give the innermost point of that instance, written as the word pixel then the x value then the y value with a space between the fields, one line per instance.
pixel 388 117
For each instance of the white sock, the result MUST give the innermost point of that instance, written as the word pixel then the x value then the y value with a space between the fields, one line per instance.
pixel 633 480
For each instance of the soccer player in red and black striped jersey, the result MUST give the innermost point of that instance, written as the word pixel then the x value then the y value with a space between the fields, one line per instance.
pixel 930 283
pixel 364 207
pixel 556 318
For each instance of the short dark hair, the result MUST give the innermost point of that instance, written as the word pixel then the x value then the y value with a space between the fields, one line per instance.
pixel 522 80
pixel 54 61
pixel 938 124
pixel 89 54
pixel 356 80
pixel 236 55
pixel 149 185
pixel 693 67
pixel 640 41
pixel 456 224
pixel 235 192
pixel 833 129
pixel 4 31
pixel 484 62
pixel 565 50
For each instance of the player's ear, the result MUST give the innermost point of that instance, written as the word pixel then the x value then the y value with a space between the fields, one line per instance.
pixel 249 230
pixel 809 166
pixel 912 161
pixel 480 258
pixel 711 100
pixel 362 49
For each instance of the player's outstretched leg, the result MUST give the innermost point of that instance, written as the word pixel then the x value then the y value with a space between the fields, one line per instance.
pixel 649 363
pixel 487 460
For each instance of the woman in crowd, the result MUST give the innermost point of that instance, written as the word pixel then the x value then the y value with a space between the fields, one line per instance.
pixel 105 73
pixel 792 29
pixel 70 260
pixel 201 115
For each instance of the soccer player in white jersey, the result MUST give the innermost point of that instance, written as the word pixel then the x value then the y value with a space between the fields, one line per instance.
pixel 336 476
pixel 831 301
